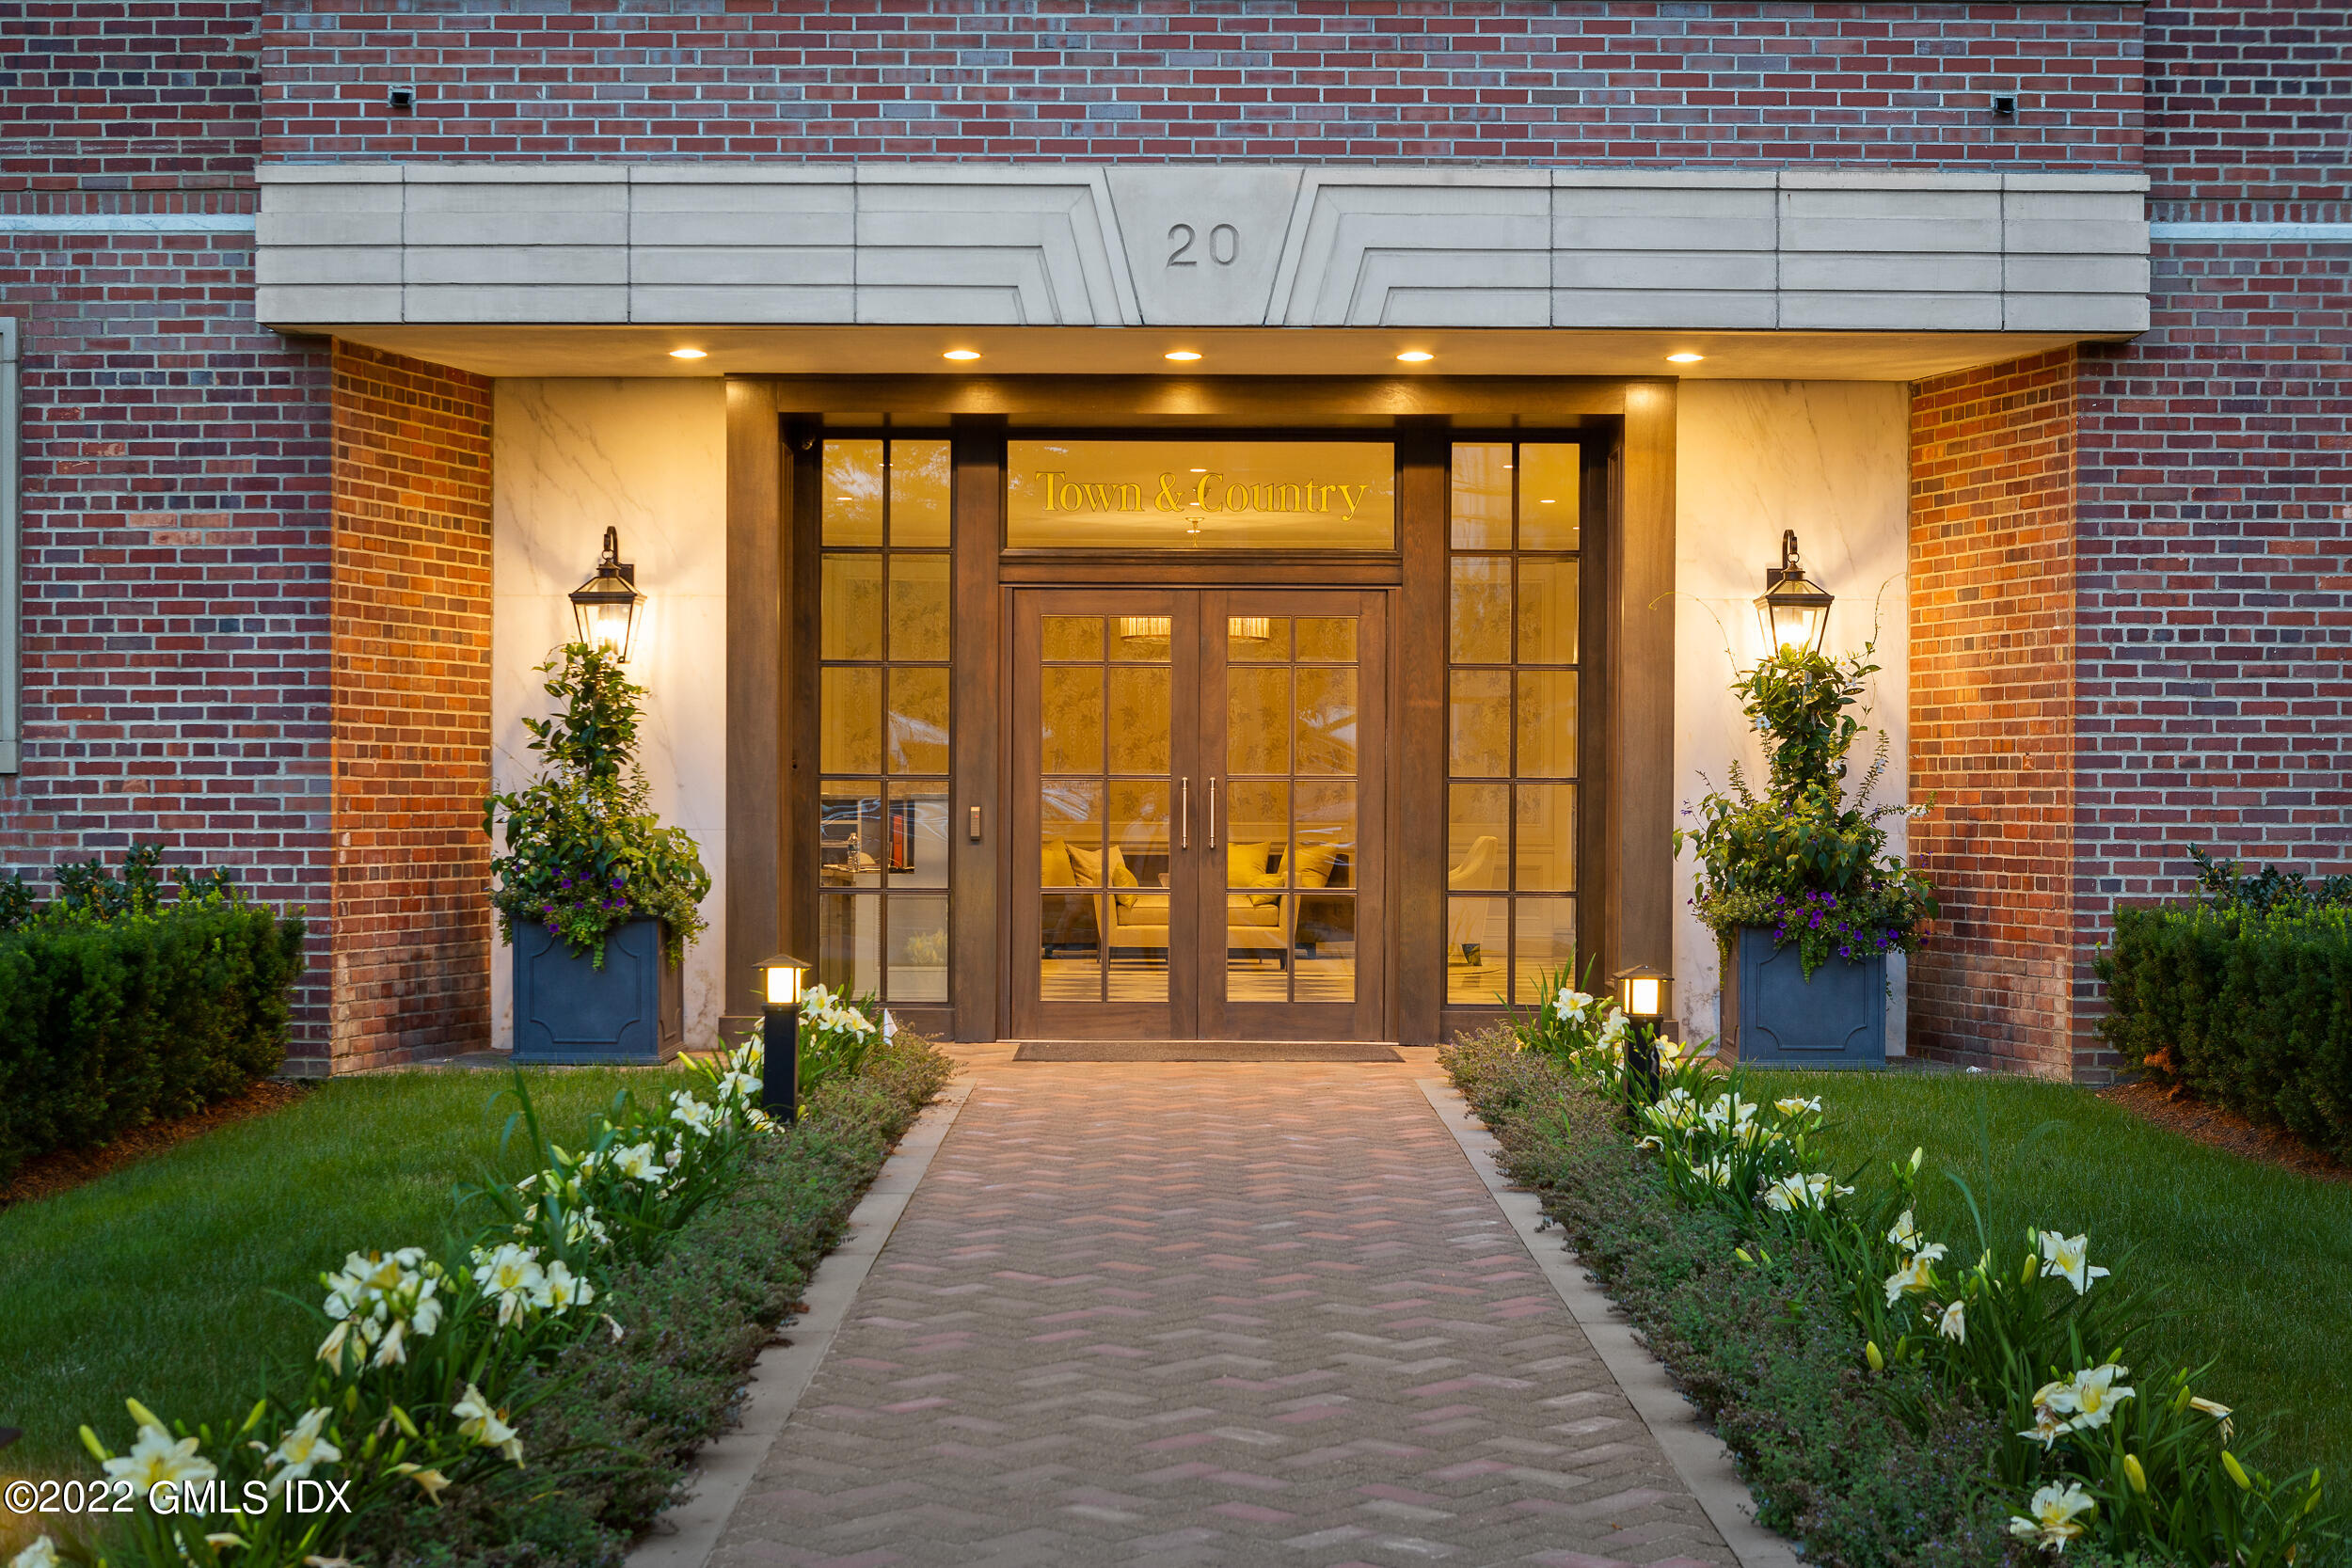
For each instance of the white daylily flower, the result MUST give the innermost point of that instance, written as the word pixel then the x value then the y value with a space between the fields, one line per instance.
pixel 1953 1324
pixel 158 1457
pixel 513 1275
pixel 2069 1256
pixel 2090 1397
pixel 42 1553
pixel 303 1450
pixel 1791 1193
pixel 1905 1233
pixel 561 1288
pixel 477 1420
pixel 1793 1106
pixel 2219 1412
pixel 638 1162
pixel 1914 1279
pixel 2057 1514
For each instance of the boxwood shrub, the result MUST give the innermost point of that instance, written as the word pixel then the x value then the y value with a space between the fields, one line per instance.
pixel 2246 1006
pixel 117 1010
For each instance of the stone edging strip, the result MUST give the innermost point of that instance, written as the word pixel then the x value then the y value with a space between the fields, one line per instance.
pixel 1697 1454
pixel 684 1536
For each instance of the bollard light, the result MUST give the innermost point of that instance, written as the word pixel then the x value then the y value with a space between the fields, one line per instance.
pixel 1641 993
pixel 782 978
pixel 1792 612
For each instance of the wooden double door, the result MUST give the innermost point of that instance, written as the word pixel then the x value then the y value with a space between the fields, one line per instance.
pixel 1200 812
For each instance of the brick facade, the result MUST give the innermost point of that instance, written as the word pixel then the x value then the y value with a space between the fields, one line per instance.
pixel 411 689
pixel 1992 710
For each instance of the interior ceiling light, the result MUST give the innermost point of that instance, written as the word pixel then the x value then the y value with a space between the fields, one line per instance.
pixel 689 354
pixel 1416 356
pixel 1685 357
pixel 960 355
pixel 1181 356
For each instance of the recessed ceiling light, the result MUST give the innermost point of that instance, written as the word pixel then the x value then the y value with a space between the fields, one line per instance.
pixel 1200 470
pixel 1181 356
pixel 1416 356
pixel 1685 357
pixel 1546 502
pixel 689 354
pixel 959 355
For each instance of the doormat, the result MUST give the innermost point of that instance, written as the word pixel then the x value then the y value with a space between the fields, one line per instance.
pixel 1202 1051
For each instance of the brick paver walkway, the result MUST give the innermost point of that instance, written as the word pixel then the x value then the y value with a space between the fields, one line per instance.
pixel 1210 1314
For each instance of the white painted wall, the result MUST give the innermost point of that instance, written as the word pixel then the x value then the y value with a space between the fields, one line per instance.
pixel 1830 459
pixel 572 457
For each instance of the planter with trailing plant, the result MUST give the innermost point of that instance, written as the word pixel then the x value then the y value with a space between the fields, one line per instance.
pixel 1794 880
pixel 597 897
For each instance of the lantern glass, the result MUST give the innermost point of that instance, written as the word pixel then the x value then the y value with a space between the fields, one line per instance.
pixel 783 976
pixel 607 624
pixel 1642 993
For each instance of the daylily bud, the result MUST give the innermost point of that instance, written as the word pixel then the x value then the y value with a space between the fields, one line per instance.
pixel 2033 1266
pixel 97 1448
pixel 2237 1471
pixel 1917 1154
pixel 1741 1253
pixel 1870 1354
pixel 2180 1401
pixel 400 1418
pixel 145 1417
pixel 2132 1473
pixel 253 1416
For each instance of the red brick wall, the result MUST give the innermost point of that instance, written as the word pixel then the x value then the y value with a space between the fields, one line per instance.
pixel 1370 81
pixel 1992 710
pixel 411 684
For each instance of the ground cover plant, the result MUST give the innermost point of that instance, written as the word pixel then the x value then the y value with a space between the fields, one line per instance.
pixel 2245 1261
pixel 525 1387
pixel 1896 1395
pixel 121 1005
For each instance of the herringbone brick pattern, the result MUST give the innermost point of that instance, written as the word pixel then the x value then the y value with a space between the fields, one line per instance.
pixel 1217 1315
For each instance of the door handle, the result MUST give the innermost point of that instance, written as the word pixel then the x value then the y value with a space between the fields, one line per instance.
pixel 1183 793
pixel 1213 811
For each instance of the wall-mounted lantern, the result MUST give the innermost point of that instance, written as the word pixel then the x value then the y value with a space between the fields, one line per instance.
pixel 1792 612
pixel 781 979
pixel 606 605
pixel 1641 993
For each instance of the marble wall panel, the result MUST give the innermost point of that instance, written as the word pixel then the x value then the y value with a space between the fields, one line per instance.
pixel 571 458
pixel 1829 459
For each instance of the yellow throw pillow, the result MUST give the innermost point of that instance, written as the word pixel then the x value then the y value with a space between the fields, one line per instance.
pixel 1054 869
pixel 1086 866
pixel 1315 865
pixel 1272 878
pixel 1245 862
pixel 1122 876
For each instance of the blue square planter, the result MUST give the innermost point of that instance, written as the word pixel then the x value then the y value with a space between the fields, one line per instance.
pixel 1774 1017
pixel 631 1012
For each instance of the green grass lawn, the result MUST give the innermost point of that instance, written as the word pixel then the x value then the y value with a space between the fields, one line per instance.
pixel 159 1279
pixel 2248 1263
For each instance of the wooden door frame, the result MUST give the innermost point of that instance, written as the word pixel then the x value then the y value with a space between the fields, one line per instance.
pixel 1628 903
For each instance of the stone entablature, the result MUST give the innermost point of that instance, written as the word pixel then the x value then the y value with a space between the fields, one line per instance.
pixel 1225 246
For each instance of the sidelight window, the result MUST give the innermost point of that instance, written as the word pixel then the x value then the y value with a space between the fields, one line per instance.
pixel 1513 638
pixel 884 642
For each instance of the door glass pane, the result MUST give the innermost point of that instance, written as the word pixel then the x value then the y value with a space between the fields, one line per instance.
pixel 850 621
pixel 851 504
pixel 1477 836
pixel 1479 718
pixel 915 836
pixel 1323 948
pixel 1481 504
pixel 1070 829
pixel 849 942
pixel 1257 639
pixel 918 495
pixel 1477 942
pixel 918 720
pixel 1546 838
pixel 1257 720
pixel 1547 611
pixel 1139 723
pixel 1482 609
pixel 1547 724
pixel 1071 637
pixel 1255 834
pixel 1070 953
pixel 1548 497
pixel 1546 936
pixel 1069 710
pixel 1323 837
pixel 1142 638
pixel 1327 639
pixel 919 607
pixel 849 706
pixel 1326 721
pixel 850 840
pixel 1257 947
pixel 1135 869
pixel 915 939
